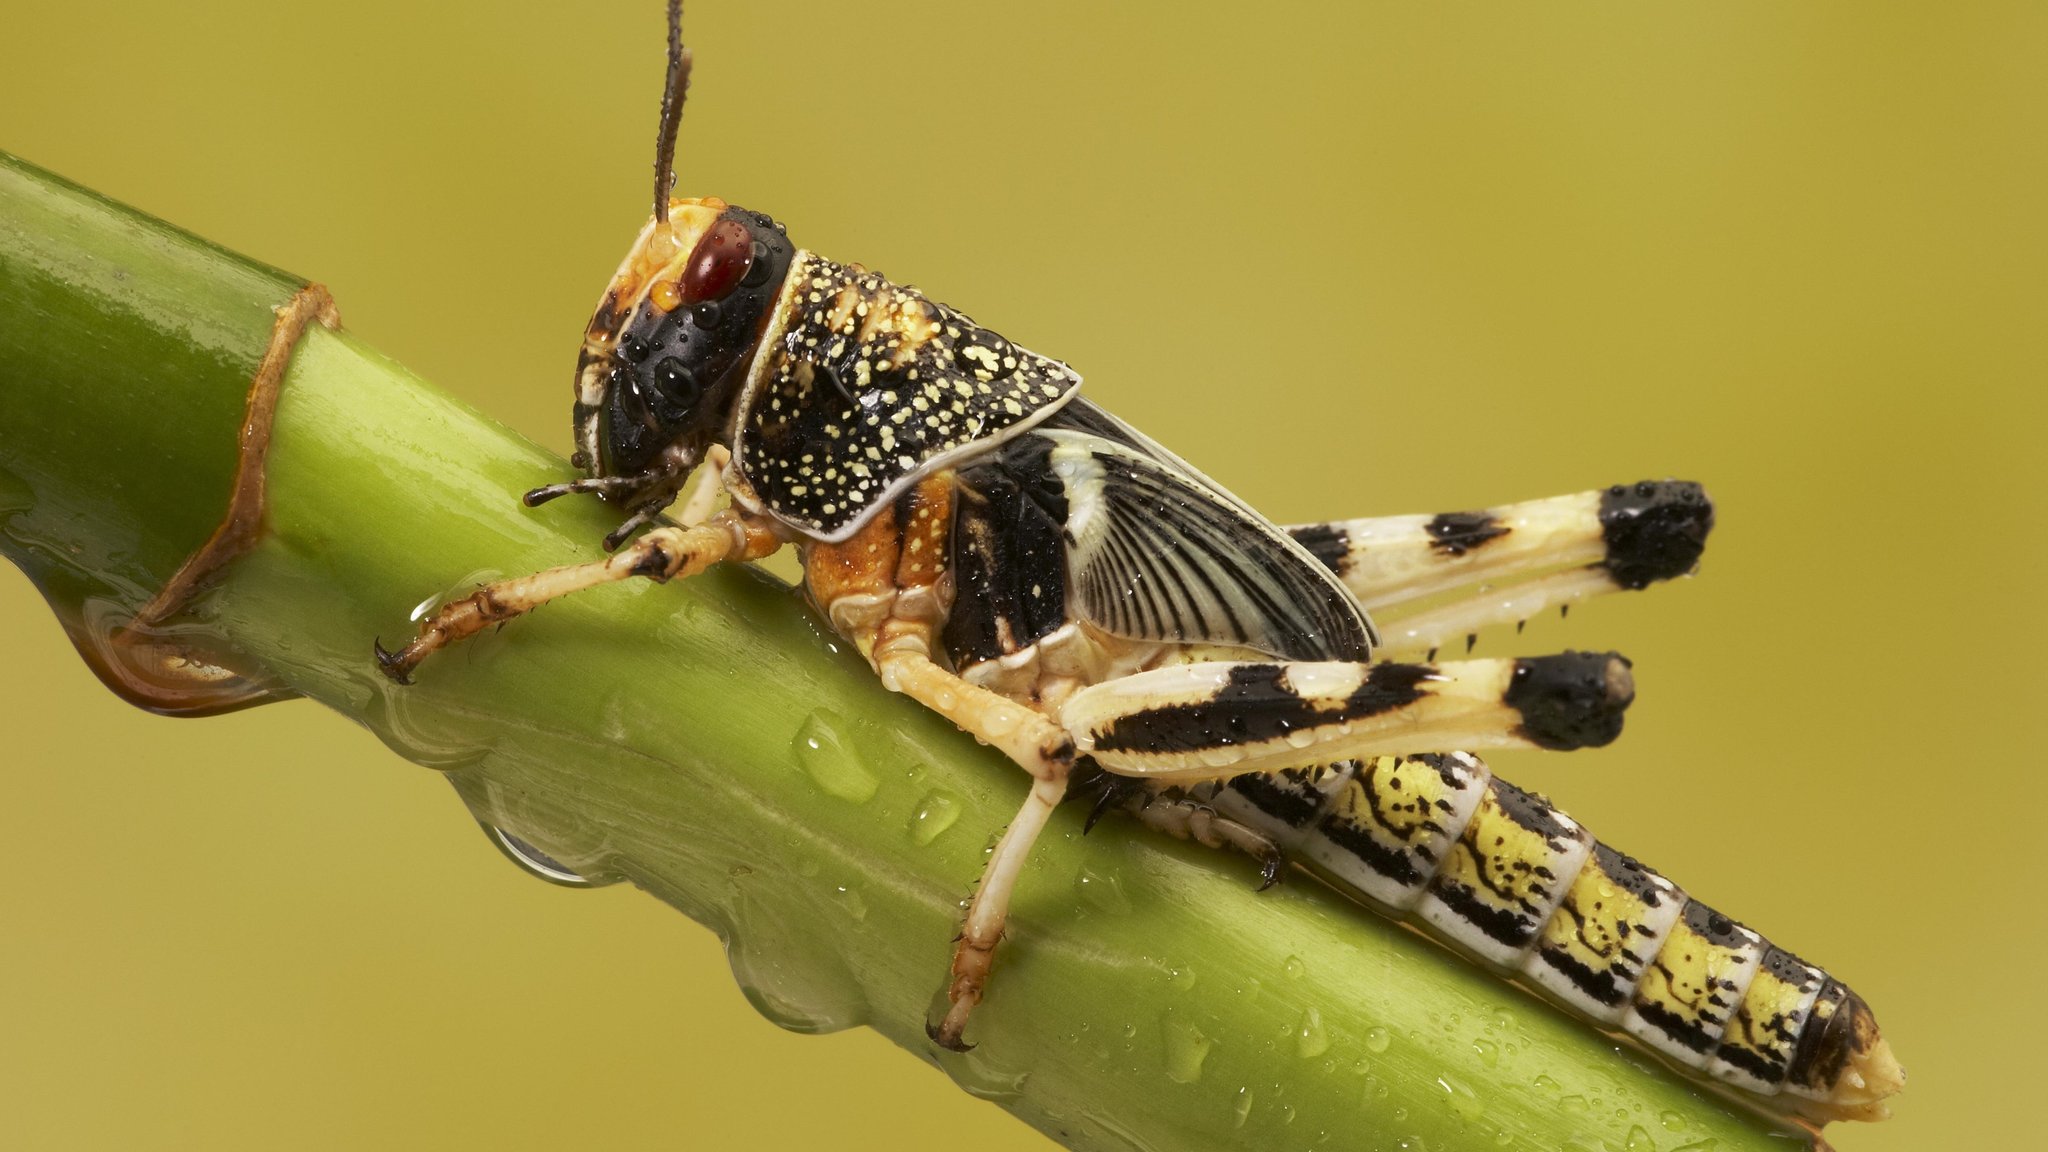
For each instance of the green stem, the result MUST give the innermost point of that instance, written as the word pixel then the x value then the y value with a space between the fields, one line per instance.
pixel 712 743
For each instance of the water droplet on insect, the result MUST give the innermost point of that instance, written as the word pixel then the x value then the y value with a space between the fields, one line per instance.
pixel 1241 1111
pixel 1377 1039
pixel 1001 721
pixel 1639 1141
pixel 1186 1049
pixel 1489 1052
pixel 933 815
pixel 826 758
pixel 1102 891
pixel 848 900
pixel 533 861
pixel 1295 967
pixel 1310 1040
pixel 1672 1121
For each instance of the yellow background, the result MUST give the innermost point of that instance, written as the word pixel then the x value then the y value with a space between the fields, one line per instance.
pixel 1349 258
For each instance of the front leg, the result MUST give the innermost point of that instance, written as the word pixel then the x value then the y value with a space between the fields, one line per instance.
pixel 662 554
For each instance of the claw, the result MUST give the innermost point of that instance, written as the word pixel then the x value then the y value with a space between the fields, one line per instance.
pixel 1272 870
pixel 392 664
pixel 1115 790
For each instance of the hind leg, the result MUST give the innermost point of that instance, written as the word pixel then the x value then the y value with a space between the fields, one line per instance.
pixel 1193 722
pixel 1506 564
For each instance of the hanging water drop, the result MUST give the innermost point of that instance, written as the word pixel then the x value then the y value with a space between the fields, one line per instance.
pixel 533 861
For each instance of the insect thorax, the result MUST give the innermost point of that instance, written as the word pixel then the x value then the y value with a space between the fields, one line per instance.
pixel 863 386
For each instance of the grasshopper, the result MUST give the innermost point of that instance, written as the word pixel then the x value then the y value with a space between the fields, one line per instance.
pixel 1067 590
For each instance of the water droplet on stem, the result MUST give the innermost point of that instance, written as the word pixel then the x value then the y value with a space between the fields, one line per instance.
pixel 829 760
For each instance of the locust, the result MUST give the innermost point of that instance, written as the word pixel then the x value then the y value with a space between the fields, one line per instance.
pixel 1132 636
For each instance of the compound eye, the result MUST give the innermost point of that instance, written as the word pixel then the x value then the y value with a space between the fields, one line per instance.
pixel 720 260
pixel 675 381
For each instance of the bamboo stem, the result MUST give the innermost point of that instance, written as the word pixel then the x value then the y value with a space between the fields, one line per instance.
pixel 712 743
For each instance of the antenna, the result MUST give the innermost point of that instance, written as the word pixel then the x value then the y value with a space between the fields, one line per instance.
pixel 672 94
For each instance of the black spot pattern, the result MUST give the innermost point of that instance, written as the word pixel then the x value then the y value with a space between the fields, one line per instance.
pixel 1328 543
pixel 1655 530
pixel 1258 704
pixel 1456 533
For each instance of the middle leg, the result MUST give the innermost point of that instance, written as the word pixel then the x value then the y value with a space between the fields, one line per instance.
pixel 1027 737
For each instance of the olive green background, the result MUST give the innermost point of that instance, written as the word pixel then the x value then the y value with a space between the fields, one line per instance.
pixel 1349 258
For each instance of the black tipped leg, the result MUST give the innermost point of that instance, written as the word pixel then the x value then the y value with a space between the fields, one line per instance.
pixel 955 1044
pixel 1655 530
pixel 392 664
pixel 1574 700
pixel 1272 869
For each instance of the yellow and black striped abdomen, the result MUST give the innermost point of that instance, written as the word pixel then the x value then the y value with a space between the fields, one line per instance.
pixel 1502 875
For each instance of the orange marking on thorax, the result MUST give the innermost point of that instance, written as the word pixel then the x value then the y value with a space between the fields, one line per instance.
pixel 924 536
pixel 864 563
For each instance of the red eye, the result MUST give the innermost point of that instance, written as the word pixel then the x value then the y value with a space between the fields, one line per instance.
pixel 720 259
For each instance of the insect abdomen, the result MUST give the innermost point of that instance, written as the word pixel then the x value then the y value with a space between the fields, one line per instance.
pixel 1504 876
